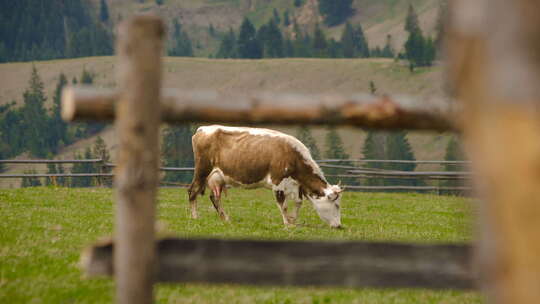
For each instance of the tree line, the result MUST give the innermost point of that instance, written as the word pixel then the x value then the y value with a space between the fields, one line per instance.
pixel 52 29
pixel 269 41
pixel 38 130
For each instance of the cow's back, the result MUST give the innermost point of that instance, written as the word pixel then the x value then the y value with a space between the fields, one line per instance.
pixel 245 155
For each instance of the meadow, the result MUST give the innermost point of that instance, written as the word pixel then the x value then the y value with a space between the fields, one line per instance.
pixel 43 231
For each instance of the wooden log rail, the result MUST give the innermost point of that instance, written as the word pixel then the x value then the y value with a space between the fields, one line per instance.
pixel 301 263
pixel 396 112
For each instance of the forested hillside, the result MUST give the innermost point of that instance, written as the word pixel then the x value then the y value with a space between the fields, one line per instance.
pixel 42 30
pixel 381 46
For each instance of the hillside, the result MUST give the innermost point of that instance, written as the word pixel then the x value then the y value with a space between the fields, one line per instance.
pixel 300 75
pixel 378 17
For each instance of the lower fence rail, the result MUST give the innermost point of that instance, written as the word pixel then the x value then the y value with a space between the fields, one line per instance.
pixel 301 263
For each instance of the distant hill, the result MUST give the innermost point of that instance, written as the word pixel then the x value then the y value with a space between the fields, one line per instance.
pixel 227 75
pixel 378 17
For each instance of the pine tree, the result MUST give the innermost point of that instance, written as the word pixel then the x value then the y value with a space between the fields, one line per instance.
pixel 411 21
pixel 82 168
pixel 415 48
pixel 335 11
pixel 58 125
pixel 103 11
pixel 100 151
pixel 248 44
pixel 276 17
pixel 35 119
pixel 398 148
pixel 30 181
pixel 335 150
pixel 286 20
pixel 362 43
pixel 304 135
pixel 320 44
pixel 271 40
pixel 227 48
pixel 298 3
pixel 177 151
pixel 159 2
pixel 388 51
pixel 454 152
pixel 374 148
pixel 51 169
pixel 349 42
pixel 181 42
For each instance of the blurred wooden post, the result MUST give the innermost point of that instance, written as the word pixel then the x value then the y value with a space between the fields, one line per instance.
pixel 138 118
pixel 494 52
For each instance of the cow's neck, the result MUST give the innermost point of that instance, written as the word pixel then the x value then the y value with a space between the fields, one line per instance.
pixel 312 184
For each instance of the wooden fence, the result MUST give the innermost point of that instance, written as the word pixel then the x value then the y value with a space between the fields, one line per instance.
pixel 494 65
pixel 348 172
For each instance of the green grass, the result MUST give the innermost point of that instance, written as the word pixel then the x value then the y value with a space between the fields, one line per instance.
pixel 43 231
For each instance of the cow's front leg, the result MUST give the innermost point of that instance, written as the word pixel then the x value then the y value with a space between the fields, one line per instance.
pixel 295 211
pixel 282 205
pixel 215 197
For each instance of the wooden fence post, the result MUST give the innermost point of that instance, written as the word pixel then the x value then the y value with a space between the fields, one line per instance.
pixel 494 52
pixel 139 63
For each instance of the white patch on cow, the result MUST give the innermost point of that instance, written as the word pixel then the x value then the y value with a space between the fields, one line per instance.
pixel 295 143
pixel 290 188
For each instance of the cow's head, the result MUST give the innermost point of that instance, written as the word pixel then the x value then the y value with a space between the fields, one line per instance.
pixel 328 205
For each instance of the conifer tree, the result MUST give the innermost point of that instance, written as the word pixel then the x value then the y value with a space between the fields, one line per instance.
pixel 227 48
pixel 298 3
pixel 103 11
pixel 320 44
pixel 335 11
pixel 177 151
pixel 82 168
pixel 286 20
pixel 34 118
pixel 271 40
pixel 100 151
pixel 58 125
pixel 304 135
pixel 388 51
pixel 453 152
pixel 181 45
pixel 411 21
pixel 349 41
pixel 362 43
pixel 30 181
pixel 335 150
pixel 374 148
pixel 277 19
pixel 398 148
pixel 248 44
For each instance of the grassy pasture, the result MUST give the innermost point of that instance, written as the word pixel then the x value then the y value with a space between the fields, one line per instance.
pixel 43 230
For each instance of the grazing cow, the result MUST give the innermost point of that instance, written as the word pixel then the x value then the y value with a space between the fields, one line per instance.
pixel 253 158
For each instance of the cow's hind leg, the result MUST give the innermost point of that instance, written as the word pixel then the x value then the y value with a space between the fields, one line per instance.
pixel 282 205
pixel 215 197
pixel 194 190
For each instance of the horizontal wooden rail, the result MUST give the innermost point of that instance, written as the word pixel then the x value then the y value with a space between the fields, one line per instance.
pixel 368 176
pixel 411 173
pixel 301 263
pixel 56 175
pixel 396 161
pixel 49 161
pixel 411 188
pixel 361 110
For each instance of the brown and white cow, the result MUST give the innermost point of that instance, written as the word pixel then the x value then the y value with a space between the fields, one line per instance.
pixel 255 157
